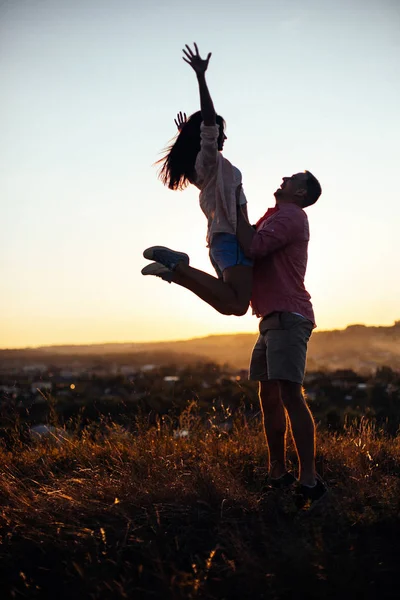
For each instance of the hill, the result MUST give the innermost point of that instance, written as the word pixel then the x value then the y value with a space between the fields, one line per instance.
pixel 357 347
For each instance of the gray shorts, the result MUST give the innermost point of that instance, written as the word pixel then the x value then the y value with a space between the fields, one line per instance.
pixel 281 349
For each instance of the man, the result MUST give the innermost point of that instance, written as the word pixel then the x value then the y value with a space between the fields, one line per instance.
pixel 278 247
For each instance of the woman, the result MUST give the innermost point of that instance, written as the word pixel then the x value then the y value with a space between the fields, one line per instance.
pixel 195 158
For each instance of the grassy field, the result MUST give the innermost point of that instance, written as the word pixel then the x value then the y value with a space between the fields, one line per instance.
pixel 110 514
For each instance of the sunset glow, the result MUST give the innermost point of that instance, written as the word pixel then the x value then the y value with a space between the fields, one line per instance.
pixel 90 91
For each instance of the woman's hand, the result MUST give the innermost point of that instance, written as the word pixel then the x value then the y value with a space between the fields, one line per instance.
pixel 180 121
pixel 198 64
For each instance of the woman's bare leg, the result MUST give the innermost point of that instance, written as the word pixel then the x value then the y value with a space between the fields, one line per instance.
pixel 229 296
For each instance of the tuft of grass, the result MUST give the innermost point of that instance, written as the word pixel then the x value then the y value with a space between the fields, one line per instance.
pixel 147 514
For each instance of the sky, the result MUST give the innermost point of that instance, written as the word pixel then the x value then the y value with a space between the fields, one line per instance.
pixel 89 92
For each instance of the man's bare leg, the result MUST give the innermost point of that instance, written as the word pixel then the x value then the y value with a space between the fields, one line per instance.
pixel 274 419
pixel 303 429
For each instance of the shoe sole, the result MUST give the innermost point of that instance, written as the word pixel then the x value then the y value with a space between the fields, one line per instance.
pixel 154 269
pixel 181 256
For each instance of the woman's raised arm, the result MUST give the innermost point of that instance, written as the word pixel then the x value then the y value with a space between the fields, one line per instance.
pixel 199 65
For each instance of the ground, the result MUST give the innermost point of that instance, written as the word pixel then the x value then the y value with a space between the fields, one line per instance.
pixel 146 514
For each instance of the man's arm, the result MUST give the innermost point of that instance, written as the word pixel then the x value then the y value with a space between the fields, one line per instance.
pixel 199 66
pixel 244 232
pixel 273 235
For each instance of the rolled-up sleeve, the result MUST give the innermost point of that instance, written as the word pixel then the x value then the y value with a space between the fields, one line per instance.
pixel 208 155
pixel 273 235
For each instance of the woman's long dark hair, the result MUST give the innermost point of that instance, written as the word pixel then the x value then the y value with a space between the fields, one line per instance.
pixel 177 166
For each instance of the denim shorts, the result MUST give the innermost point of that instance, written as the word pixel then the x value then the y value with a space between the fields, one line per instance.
pixel 225 251
pixel 281 349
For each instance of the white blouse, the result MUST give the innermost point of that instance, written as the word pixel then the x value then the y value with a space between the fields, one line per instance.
pixel 219 183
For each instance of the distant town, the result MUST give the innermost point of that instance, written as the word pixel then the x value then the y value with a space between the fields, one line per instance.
pixel 90 388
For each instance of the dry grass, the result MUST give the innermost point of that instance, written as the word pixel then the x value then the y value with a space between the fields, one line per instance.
pixel 110 514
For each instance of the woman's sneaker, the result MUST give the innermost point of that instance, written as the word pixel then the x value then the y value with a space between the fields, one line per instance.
pixel 158 270
pixel 167 257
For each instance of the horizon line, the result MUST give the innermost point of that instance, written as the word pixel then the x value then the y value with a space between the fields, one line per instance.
pixel 171 341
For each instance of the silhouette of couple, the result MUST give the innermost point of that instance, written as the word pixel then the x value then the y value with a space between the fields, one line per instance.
pixel 264 266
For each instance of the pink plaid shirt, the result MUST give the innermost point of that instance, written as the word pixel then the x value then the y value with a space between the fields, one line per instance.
pixel 279 250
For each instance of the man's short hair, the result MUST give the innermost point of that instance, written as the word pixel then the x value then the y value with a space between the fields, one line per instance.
pixel 313 190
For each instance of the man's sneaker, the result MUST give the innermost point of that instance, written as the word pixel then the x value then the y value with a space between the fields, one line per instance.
pixel 158 270
pixel 307 498
pixel 167 257
pixel 284 481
